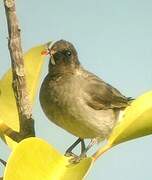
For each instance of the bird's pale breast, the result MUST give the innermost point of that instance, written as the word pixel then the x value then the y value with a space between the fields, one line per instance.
pixel 63 102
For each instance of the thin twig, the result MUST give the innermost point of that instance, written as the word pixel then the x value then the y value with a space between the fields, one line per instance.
pixel 19 81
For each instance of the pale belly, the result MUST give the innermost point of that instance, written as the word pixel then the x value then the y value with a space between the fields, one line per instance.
pixel 65 107
pixel 80 119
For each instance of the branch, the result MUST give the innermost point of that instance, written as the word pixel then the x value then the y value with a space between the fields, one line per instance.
pixel 19 81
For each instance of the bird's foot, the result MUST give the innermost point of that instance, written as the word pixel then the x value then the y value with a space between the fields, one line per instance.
pixel 76 159
pixel 70 154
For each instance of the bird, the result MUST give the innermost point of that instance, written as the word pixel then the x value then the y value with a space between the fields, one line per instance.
pixel 77 100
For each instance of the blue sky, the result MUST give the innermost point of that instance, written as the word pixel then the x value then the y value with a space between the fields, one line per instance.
pixel 114 40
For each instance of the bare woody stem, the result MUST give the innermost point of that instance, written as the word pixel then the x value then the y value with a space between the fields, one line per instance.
pixel 19 81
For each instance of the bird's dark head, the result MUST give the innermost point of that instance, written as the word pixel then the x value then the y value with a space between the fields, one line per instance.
pixel 63 57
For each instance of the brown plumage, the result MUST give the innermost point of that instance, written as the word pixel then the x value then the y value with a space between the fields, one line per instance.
pixel 77 100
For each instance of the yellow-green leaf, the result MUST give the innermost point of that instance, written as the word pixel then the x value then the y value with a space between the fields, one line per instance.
pixel 135 122
pixel 8 111
pixel 35 159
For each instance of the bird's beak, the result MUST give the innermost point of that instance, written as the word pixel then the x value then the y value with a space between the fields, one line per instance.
pixel 49 51
pixel 45 52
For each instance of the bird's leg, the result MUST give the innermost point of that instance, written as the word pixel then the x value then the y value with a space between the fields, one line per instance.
pixel 69 150
pixel 83 147
pixel 83 153
pixel 92 143
pixel 3 162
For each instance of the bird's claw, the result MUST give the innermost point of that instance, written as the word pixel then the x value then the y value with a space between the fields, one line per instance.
pixel 70 154
pixel 76 159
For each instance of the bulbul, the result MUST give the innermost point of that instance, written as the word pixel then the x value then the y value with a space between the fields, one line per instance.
pixel 76 99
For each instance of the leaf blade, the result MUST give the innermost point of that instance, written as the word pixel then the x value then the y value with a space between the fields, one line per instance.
pixel 43 162
pixel 136 121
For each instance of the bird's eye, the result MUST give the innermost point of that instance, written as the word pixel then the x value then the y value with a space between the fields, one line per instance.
pixel 68 53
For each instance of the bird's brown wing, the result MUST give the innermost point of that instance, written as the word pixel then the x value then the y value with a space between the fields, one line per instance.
pixel 100 95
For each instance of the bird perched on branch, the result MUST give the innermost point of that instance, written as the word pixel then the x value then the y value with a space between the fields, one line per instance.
pixel 76 99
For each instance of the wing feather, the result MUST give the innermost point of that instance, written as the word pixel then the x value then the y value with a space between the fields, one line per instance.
pixel 101 95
